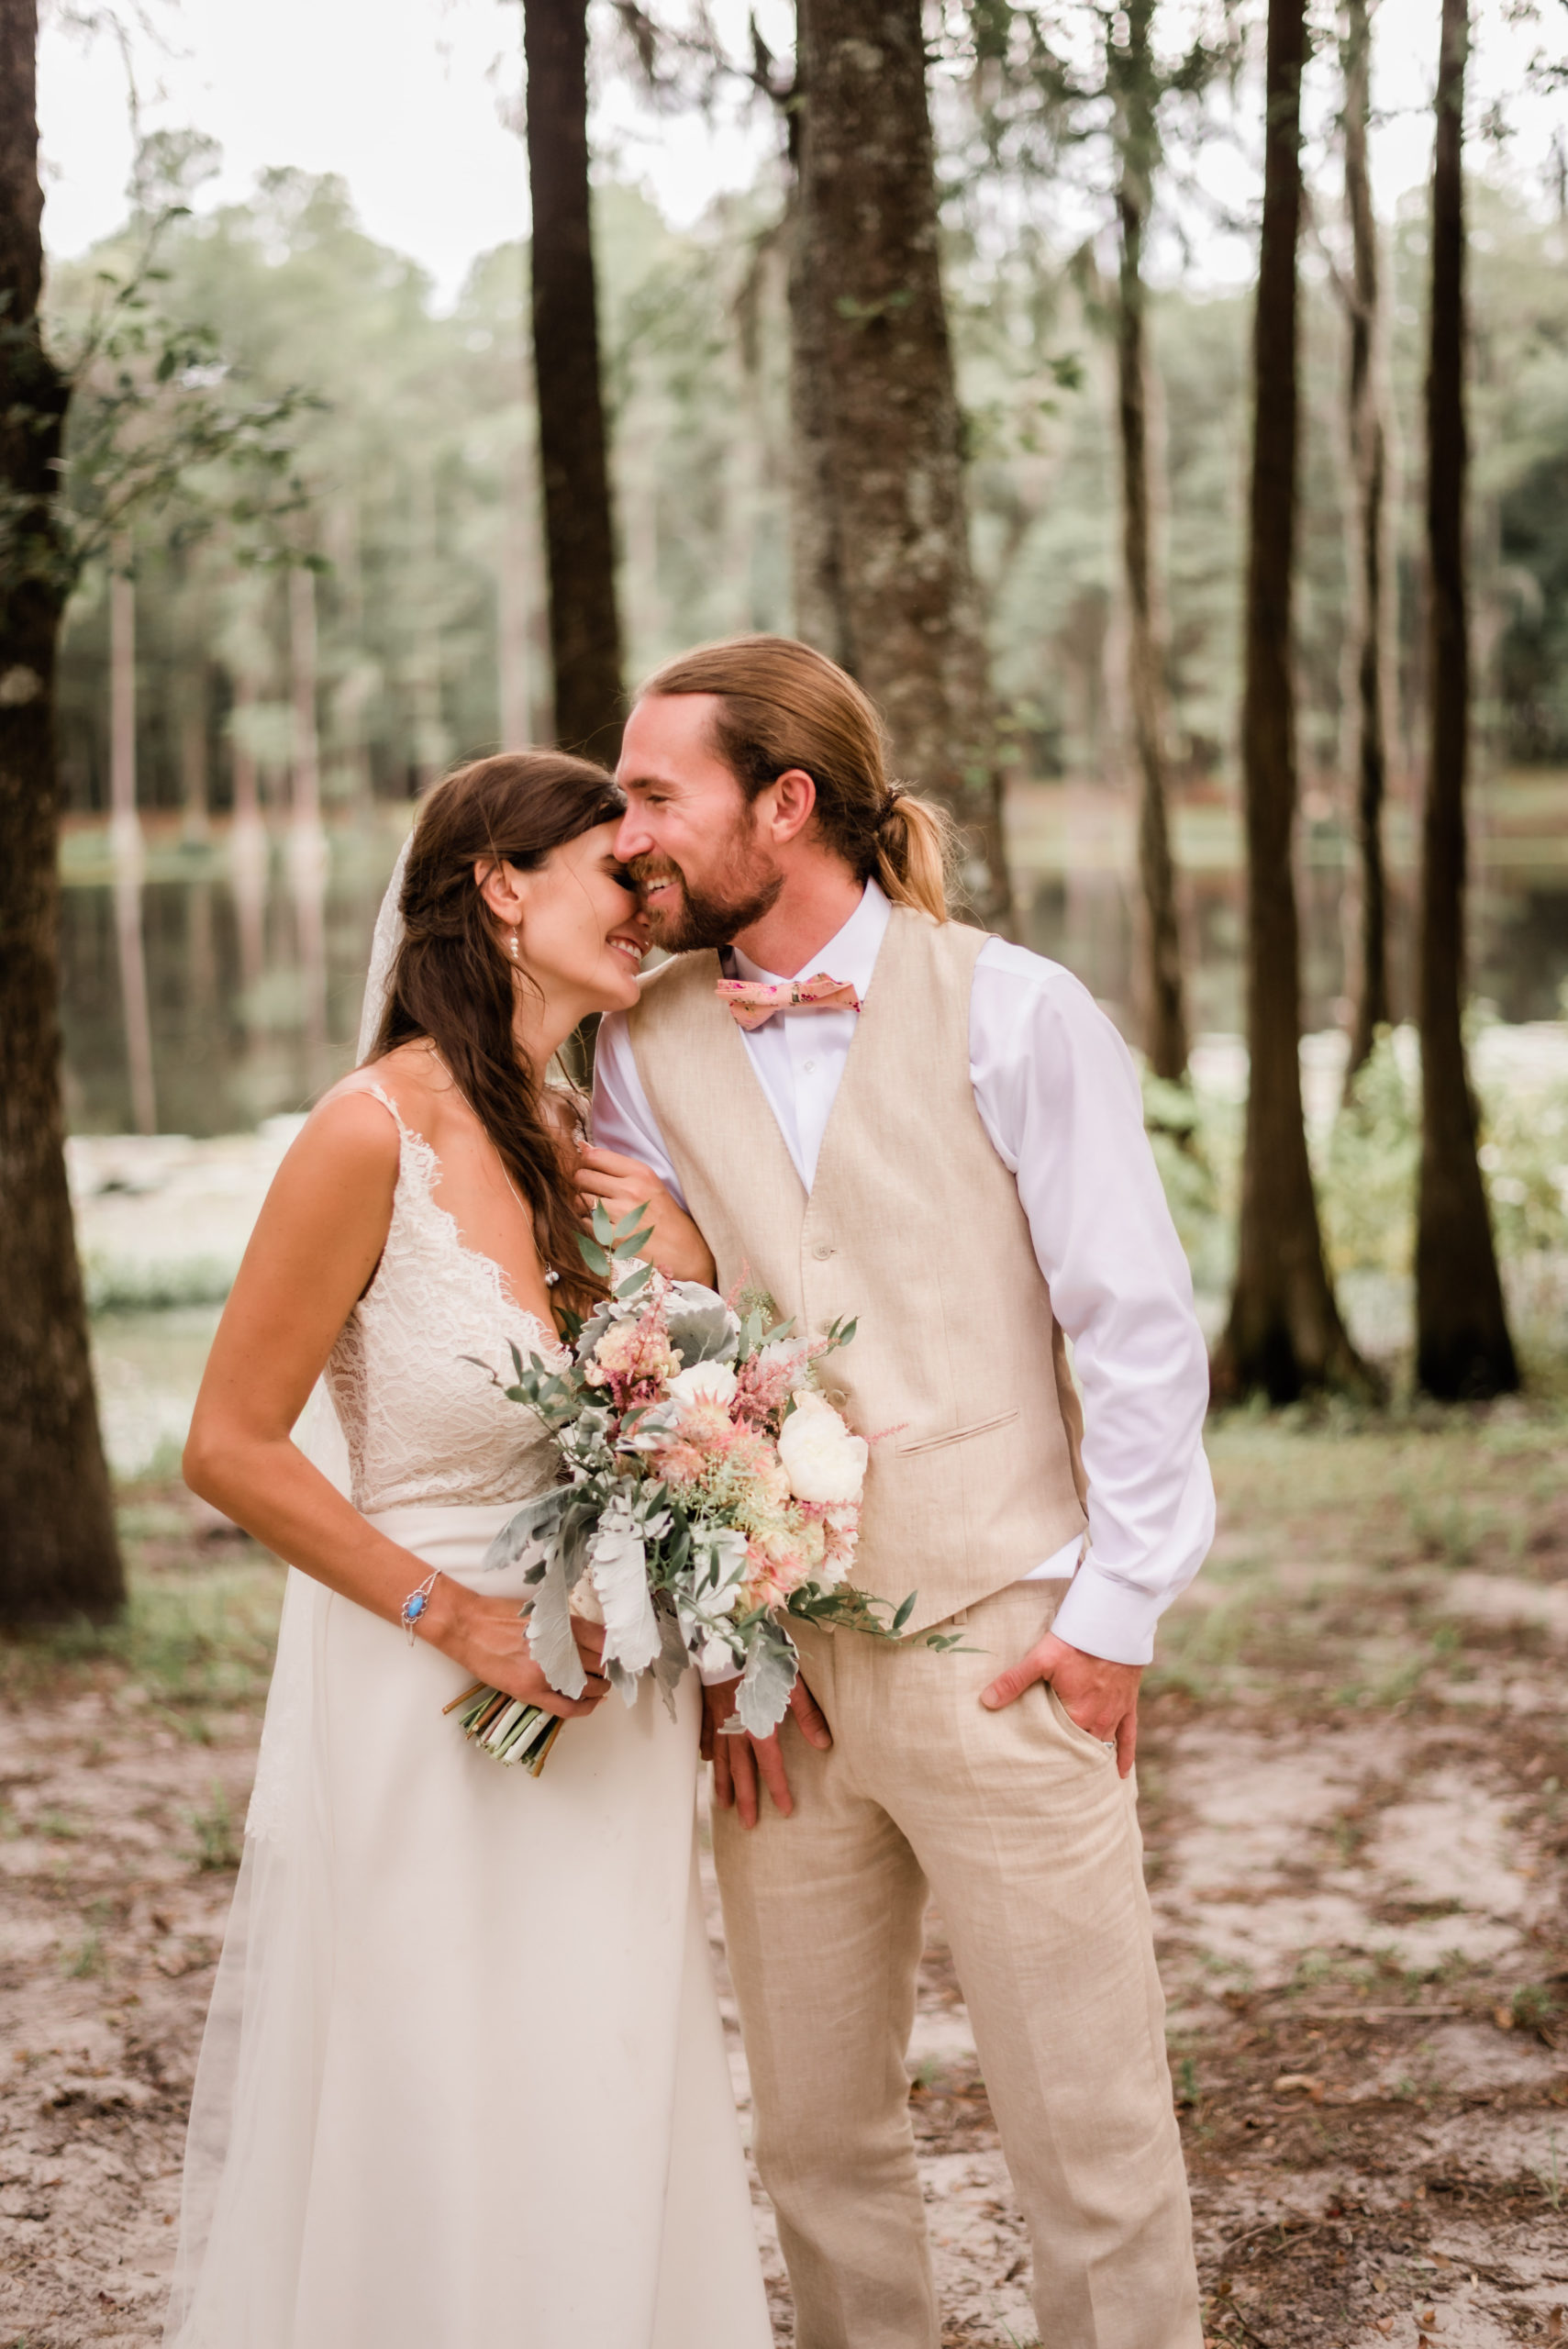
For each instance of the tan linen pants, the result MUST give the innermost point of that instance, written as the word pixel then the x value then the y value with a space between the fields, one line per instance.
pixel 1019 1824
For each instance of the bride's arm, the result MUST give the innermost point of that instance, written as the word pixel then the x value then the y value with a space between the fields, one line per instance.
pixel 315 1248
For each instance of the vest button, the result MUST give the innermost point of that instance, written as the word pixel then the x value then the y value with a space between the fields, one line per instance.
pixel 837 1397
pixel 822 1250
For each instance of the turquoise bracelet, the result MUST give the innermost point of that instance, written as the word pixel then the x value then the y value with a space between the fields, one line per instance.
pixel 414 1605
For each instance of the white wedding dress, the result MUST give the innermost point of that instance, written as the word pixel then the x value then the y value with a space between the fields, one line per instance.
pixel 462 2081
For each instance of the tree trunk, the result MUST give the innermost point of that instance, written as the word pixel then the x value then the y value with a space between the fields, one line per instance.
pixel 1368 454
pixel 1165 1023
pixel 249 852
pixel 1284 1334
pixel 307 840
pixel 1462 1346
pixel 816 577
pixel 515 606
pixel 306 810
pixel 126 845
pixel 579 533
pixel 195 828
pixel 57 1552
pixel 873 376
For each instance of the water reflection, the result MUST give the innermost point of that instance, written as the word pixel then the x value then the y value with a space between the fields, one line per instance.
pixel 208 987
pixel 223 986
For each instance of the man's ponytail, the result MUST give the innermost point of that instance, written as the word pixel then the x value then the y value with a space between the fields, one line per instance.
pixel 916 844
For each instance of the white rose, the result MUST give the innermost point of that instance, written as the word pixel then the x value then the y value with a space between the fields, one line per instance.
pixel 822 1460
pixel 706 1382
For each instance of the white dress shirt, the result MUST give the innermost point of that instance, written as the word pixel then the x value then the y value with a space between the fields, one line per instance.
pixel 1057 1093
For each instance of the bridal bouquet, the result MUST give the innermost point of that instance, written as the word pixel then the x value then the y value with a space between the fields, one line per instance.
pixel 710 1492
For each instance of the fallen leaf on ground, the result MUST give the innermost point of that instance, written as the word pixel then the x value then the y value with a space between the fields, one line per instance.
pixel 1305 2080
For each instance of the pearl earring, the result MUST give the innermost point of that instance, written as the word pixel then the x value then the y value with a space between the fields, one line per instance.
pixel 512 943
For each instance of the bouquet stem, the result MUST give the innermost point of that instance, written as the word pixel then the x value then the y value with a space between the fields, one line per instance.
pixel 506 1727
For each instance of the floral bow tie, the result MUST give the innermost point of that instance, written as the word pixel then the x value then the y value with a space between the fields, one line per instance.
pixel 752 1002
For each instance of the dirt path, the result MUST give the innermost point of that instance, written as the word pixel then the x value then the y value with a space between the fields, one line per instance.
pixel 1356 1792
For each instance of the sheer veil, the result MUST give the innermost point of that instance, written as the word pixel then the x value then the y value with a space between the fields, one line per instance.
pixel 243 2183
pixel 385 942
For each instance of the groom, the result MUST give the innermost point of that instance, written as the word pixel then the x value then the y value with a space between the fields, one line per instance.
pixel 942 1135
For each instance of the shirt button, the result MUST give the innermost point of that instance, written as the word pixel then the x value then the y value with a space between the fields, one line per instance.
pixel 822 1250
pixel 809 1068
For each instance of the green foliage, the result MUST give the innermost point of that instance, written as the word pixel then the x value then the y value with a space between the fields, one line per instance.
pixel 207 1643
pixel 217 1847
pixel 419 466
pixel 1365 1163
pixel 1368 1169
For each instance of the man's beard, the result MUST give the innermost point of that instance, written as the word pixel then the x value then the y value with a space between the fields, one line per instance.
pixel 708 917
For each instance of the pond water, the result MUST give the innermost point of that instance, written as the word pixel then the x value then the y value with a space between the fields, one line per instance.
pixel 218 984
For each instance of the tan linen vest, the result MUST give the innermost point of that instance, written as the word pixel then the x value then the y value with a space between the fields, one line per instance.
pixel 957 1369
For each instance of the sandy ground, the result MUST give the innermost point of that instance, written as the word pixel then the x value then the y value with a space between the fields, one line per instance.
pixel 1356 1792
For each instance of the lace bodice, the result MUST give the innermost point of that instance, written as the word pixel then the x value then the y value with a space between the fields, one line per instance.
pixel 422 1422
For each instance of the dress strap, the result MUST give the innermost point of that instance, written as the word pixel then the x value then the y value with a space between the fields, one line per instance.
pixel 388 1104
pixel 417 1154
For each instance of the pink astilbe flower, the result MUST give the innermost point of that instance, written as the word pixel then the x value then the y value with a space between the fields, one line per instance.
pixel 634 1359
pixel 766 1383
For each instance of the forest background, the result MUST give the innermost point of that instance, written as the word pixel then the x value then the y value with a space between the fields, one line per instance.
pixel 415 547
pixel 309 567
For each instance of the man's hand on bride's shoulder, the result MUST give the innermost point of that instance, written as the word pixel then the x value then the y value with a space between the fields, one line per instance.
pixel 488 1638
pixel 619 1184
pixel 743 1764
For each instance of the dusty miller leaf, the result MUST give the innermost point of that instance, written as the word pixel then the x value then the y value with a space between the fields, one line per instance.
pixel 551 1643
pixel 536 1522
pixel 618 1568
pixel 763 1698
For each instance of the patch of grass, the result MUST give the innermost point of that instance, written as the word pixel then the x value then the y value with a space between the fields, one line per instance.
pixel 1532 2005
pixel 1549 2175
pixel 217 1845
pixel 86 1960
pixel 194 1639
pixel 59 1826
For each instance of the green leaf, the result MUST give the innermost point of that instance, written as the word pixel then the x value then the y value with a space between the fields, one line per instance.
pixel 762 1697
pixel 630 1223
pixel 633 1283
pixel 905 1611
pixel 593 1256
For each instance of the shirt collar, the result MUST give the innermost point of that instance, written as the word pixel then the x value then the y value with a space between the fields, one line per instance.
pixel 850 956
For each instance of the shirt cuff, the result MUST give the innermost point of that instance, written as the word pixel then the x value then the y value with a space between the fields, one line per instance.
pixel 1106 1618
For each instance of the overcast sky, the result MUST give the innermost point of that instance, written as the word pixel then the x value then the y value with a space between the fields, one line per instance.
pixel 407 99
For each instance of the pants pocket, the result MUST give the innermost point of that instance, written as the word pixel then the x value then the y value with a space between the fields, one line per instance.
pixel 1098 1748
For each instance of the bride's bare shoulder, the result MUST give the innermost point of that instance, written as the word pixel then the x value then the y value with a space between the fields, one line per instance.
pixel 410 1082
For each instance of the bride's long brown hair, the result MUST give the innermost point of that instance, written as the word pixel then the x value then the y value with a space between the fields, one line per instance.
pixel 453 984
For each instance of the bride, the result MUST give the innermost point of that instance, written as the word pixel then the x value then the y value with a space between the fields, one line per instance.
pixel 462 2079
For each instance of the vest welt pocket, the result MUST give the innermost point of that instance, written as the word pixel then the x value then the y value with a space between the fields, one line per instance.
pixel 959 1435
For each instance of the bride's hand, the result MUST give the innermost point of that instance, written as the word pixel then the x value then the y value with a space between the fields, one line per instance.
pixel 487 1637
pixel 620 1184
